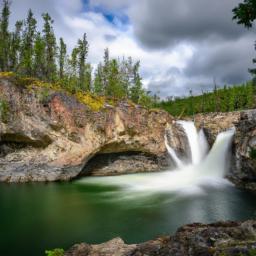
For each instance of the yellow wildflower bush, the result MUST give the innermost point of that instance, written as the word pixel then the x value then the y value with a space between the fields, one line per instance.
pixel 6 74
pixel 94 102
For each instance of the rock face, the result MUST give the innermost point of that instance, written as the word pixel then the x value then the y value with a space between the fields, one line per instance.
pixel 128 162
pixel 52 137
pixel 243 169
pixel 218 239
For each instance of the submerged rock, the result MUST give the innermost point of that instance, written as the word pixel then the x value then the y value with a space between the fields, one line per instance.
pixel 221 238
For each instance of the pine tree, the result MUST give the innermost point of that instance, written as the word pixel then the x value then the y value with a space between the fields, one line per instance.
pixel 51 48
pixel 27 51
pixel 98 81
pixel 39 64
pixel 72 70
pixel 62 58
pixel 136 89
pixel 4 36
pixel 15 47
pixel 106 69
pixel 114 87
pixel 82 56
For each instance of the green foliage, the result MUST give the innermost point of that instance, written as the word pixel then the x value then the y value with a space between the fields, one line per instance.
pixel 50 48
pixel 253 153
pixel 55 252
pixel 252 252
pixel 245 14
pixel 4 110
pixel 4 36
pixel 220 100
pixel 44 95
pixel 27 49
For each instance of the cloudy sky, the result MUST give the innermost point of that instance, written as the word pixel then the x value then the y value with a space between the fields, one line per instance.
pixel 182 44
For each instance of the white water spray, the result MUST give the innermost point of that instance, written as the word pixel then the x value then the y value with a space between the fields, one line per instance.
pixel 204 168
pixel 197 141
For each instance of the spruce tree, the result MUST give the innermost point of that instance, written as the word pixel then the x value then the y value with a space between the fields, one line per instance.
pixel 27 51
pixel 106 69
pixel 136 89
pixel 4 36
pixel 15 47
pixel 51 48
pixel 62 58
pixel 82 56
pixel 72 70
pixel 39 63
pixel 98 80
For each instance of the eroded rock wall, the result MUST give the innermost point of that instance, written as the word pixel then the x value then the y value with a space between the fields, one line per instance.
pixel 52 138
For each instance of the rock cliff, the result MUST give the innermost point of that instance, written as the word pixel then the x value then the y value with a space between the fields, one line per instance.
pixel 50 135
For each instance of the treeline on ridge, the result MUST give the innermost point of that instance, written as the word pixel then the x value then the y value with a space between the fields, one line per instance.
pixel 219 100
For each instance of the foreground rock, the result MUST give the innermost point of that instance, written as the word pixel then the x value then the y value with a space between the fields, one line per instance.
pixel 243 169
pixel 218 239
pixel 47 136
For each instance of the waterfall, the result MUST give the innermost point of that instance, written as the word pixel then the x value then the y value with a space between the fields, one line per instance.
pixel 172 153
pixel 197 141
pixel 202 169
pixel 215 163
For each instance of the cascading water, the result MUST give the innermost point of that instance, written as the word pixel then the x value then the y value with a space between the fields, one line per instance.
pixel 197 141
pixel 203 167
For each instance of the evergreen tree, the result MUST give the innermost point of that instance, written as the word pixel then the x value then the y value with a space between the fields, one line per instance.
pixel 4 36
pixel 62 58
pixel 15 47
pixel 98 81
pixel 51 48
pixel 82 55
pixel 106 69
pixel 136 89
pixel 39 63
pixel 72 70
pixel 27 51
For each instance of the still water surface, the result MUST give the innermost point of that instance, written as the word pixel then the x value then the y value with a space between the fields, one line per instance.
pixel 35 217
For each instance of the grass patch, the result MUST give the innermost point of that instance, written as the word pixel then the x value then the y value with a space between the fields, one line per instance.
pixel 55 252
pixel 4 110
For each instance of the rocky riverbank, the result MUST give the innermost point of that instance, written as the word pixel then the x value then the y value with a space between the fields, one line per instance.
pixel 218 239
pixel 49 135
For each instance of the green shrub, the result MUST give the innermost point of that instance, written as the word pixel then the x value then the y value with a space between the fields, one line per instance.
pixel 55 252
pixel 253 153
pixel 4 110
pixel 252 252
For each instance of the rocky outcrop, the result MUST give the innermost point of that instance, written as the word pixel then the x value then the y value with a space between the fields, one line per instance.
pixel 48 135
pixel 128 162
pixel 243 168
pixel 218 239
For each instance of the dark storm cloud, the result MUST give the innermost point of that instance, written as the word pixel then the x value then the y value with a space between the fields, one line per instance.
pixel 227 62
pixel 223 50
pixel 164 22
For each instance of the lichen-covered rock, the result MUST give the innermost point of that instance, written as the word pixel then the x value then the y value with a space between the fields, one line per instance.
pixel 52 138
pixel 218 239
